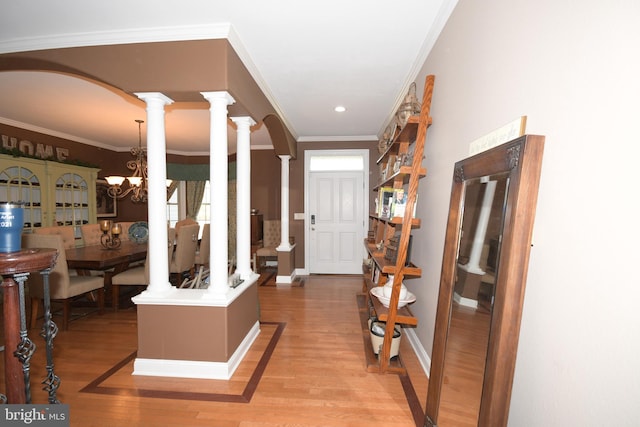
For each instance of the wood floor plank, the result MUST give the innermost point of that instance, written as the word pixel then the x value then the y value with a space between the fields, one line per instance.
pixel 316 375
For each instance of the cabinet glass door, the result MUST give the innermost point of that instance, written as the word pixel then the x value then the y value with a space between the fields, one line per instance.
pixel 72 201
pixel 20 184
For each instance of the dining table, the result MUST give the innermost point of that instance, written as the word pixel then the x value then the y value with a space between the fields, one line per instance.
pixel 85 259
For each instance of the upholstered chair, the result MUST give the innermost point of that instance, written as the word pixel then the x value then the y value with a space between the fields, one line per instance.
pixel 204 249
pixel 126 225
pixel 183 222
pixel 66 231
pixel 133 276
pixel 270 241
pixel 91 234
pixel 172 236
pixel 184 255
pixel 63 287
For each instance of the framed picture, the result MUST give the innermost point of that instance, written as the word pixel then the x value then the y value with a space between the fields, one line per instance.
pixel 106 206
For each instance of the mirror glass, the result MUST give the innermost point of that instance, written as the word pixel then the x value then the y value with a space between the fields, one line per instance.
pixel 472 300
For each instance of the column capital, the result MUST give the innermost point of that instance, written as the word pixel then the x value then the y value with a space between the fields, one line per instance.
pixel 243 120
pixel 218 95
pixel 151 96
pixel 284 157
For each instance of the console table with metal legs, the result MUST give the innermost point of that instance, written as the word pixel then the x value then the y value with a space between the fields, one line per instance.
pixel 15 267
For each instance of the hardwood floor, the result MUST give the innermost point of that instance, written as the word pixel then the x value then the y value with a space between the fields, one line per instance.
pixel 314 376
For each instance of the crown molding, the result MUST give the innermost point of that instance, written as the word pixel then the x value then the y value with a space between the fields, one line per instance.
pixel 119 36
pixel 435 29
pixel 62 135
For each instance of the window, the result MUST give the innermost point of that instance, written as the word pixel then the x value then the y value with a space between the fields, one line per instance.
pixel 204 214
pixel 173 211
pixel 336 163
pixel 176 208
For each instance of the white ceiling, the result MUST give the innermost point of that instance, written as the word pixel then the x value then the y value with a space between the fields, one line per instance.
pixel 307 57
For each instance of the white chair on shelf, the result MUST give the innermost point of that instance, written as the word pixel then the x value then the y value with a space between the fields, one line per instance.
pixel 63 286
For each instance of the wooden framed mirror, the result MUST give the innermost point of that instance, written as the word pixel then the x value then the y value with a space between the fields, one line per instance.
pixel 482 283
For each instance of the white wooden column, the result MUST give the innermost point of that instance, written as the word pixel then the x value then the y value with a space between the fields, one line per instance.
pixel 243 195
pixel 157 198
pixel 473 266
pixel 284 204
pixel 218 182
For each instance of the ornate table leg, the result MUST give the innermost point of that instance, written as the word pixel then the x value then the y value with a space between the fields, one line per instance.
pixel 14 269
pixel 15 387
pixel 26 348
pixel 49 332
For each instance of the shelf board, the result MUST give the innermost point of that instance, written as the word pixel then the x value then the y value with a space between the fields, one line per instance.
pixel 387 267
pixel 372 362
pixel 398 220
pixel 402 174
pixel 404 315
pixel 407 134
pixel 372 248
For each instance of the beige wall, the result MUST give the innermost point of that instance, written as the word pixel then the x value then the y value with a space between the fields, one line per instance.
pixel 265 176
pixel 572 68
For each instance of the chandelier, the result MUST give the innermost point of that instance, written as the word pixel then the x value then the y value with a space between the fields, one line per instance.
pixel 138 180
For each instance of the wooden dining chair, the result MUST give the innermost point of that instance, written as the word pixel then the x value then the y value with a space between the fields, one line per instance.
pixel 63 286
pixel 204 249
pixel 184 255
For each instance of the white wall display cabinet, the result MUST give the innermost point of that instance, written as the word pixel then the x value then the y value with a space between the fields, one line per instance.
pixel 51 193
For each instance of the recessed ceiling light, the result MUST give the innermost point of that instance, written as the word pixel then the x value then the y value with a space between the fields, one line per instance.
pixel 340 109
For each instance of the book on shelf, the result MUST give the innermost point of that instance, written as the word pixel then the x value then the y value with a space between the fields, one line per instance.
pixel 399 203
pixel 385 199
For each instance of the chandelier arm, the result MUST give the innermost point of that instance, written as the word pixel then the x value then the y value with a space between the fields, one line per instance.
pixel 139 167
pixel 117 192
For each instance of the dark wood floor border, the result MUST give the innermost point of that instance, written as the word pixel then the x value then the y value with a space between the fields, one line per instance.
pixel 245 397
pixel 405 380
pixel 412 399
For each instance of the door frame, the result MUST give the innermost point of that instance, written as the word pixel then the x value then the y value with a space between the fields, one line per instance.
pixel 308 154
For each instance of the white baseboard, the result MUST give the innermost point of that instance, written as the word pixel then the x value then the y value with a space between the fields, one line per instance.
pixel 195 368
pixel 421 353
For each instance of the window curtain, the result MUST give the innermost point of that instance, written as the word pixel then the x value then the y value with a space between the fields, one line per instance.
pixel 195 192
pixel 172 188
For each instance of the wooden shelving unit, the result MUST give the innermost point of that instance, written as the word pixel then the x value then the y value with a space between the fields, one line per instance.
pixel 399 174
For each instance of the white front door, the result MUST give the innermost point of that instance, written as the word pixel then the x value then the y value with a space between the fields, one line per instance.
pixel 336 222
